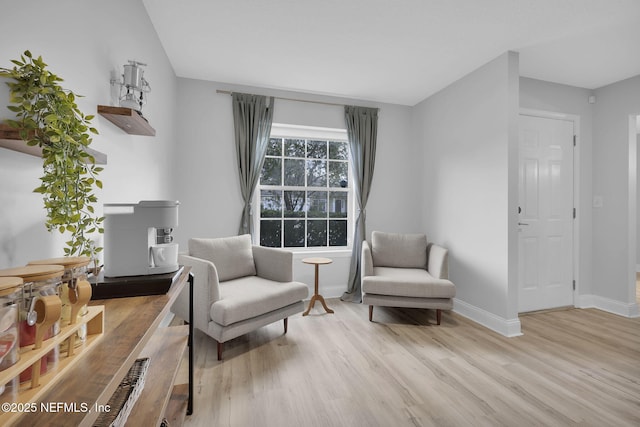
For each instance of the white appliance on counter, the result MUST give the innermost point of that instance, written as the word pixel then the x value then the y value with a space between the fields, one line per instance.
pixel 138 238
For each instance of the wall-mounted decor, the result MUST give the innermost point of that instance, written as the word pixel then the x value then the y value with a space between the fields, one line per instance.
pixel 133 86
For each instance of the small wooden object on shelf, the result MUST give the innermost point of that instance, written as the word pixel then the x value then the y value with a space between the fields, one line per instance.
pixel 127 119
pixel 30 392
pixel 10 139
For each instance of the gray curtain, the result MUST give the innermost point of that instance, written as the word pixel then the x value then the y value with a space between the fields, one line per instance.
pixel 362 131
pixel 252 119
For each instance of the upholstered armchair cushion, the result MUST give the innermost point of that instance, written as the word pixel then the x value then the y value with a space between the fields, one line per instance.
pixel 407 282
pixel 252 296
pixel 399 250
pixel 232 256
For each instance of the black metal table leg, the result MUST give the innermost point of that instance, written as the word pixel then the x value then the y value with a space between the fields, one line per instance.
pixel 190 342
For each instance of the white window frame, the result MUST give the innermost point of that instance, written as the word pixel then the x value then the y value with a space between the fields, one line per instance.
pixel 280 130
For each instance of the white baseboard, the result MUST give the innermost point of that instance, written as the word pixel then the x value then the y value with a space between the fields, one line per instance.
pixel 506 327
pixel 330 291
pixel 608 305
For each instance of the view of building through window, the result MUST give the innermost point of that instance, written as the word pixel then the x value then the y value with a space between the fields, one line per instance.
pixel 304 193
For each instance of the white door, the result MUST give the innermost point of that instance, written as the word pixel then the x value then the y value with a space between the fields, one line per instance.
pixel 545 226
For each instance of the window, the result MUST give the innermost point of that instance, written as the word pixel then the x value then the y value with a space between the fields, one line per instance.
pixel 304 191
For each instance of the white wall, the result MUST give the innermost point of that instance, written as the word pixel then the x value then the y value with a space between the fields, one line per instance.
pixel 461 139
pixel 552 97
pixel 638 197
pixel 613 277
pixel 83 42
pixel 207 177
pixel 469 201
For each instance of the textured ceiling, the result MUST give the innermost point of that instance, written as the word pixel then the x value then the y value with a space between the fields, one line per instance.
pixel 398 51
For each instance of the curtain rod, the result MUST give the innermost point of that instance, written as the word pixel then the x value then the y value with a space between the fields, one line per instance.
pixel 227 92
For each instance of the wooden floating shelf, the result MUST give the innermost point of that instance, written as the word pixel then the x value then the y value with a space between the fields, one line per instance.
pixel 127 119
pixel 10 139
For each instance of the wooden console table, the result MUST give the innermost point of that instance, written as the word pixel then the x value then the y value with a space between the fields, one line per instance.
pixel 131 331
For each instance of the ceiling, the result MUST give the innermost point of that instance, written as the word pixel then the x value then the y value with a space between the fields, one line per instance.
pixel 395 51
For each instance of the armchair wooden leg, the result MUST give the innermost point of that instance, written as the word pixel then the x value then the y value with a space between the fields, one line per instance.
pixel 220 348
pixel 370 313
pixel 286 324
pixel 438 315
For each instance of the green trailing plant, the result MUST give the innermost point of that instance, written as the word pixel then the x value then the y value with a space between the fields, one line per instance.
pixel 47 116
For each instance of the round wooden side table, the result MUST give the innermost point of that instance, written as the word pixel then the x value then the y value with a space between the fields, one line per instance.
pixel 317 261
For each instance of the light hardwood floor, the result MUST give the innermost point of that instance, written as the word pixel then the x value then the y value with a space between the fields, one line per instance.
pixel 570 367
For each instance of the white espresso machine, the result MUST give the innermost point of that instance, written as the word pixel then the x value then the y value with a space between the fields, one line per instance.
pixel 138 238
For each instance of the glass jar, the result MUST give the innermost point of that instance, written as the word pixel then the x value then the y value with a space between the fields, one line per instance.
pixel 75 270
pixel 39 280
pixel 10 292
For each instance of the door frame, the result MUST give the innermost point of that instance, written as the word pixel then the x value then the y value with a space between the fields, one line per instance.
pixel 576 188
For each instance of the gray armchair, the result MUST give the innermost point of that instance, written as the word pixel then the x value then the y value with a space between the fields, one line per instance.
pixel 402 270
pixel 239 287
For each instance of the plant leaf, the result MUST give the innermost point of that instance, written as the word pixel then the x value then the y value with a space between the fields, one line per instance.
pixel 48 117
